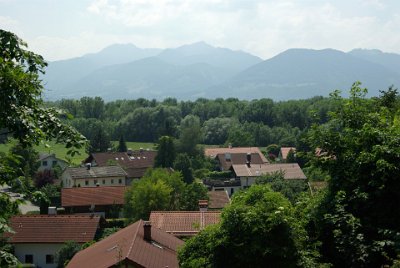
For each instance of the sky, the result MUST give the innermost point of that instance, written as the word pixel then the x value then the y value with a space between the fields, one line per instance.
pixel 61 29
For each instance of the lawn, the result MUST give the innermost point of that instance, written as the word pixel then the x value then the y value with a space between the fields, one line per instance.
pixel 61 152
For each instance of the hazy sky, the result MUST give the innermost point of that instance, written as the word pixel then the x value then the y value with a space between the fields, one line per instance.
pixel 59 29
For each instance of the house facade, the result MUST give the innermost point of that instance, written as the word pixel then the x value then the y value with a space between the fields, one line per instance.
pixel 248 174
pixel 134 162
pixel 49 161
pixel 93 176
pixel 37 238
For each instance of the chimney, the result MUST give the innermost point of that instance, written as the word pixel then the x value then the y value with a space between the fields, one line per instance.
pixel 52 211
pixel 129 152
pixel 248 159
pixel 88 166
pixel 147 230
pixel 230 145
pixel 203 205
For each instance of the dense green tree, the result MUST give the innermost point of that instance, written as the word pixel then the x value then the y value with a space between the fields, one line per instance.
pixel 92 107
pixel 257 230
pixel 291 156
pixel 66 253
pixel 191 195
pixel 122 145
pixel 183 164
pixel 291 189
pixel 145 196
pixel 100 140
pixel 23 115
pixel 161 189
pixel 190 135
pixel 165 152
pixel 360 149
pixel 216 130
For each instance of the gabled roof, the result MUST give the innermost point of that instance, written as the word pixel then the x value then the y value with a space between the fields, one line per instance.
pixel 95 172
pixel 218 199
pixel 213 152
pixel 137 159
pixel 43 156
pixel 226 160
pixel 86 196
pixel 53 228
pixel 285 150
pixel 291 171
pixel 183 223
pixel 130 246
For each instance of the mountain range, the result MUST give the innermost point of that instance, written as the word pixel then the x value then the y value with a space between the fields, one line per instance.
pixel 200 70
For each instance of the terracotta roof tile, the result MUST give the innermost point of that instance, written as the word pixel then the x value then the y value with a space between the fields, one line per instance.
pixel 213 152
pixel 228 159
pixel 285 151
pixel 183 223
pixel 218 199
pixel 95 172
pixel 292 170
pixel 86 196
pixel 129 244
pixel 53 228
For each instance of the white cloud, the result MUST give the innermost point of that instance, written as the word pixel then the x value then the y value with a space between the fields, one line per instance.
pixel 261 27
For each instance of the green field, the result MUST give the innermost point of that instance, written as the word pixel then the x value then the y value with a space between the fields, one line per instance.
pixel 61 151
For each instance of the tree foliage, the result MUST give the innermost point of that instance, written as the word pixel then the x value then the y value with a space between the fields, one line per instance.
pixel 360 150
pixel 22 114
pixel 165 152
pixel 257 230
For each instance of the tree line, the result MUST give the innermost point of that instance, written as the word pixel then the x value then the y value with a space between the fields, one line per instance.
pixel 219 121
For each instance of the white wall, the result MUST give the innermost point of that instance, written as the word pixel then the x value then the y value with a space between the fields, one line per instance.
pixel 39 252
pixel 50 160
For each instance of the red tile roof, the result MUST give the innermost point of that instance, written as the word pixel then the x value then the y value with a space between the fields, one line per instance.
pixel 86 196
pixel 53 228
pixel 134 164
pixel 291 171
pixel 183 223
pixel 218 199
pixel 285 150
pixel 130 246
pixel 228 159
pixel 213 152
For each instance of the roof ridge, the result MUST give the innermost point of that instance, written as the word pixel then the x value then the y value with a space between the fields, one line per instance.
pixel 134 239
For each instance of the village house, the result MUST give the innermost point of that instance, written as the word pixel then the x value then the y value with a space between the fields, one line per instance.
pixel 249 173
pixel 135 163
pixel 93 176
pixel 138 245
pixel 185 223
pixel 49 161
pixel 37 238
pixel 106 200
pixel 226 157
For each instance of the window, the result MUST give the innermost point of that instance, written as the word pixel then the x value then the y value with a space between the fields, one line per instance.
pixel 104 181
pixel 49 259
pixel 54 162
pixel 120 181
pixel 95 182
pixel 112 181
pixel 44 163
pixel 86 182
pixel 29 258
